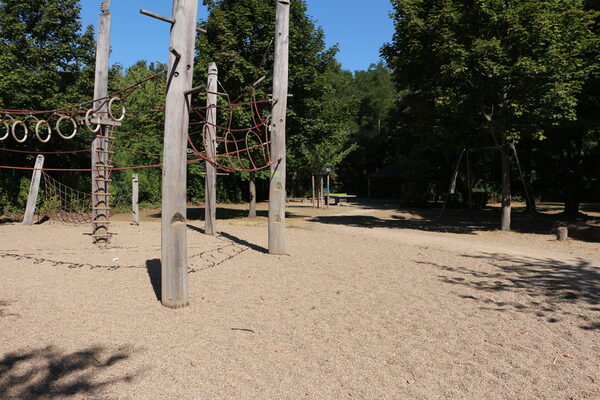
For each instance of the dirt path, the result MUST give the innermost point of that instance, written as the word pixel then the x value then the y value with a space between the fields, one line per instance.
pixel 360 308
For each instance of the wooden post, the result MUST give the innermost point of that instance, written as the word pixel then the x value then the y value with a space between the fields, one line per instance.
pixel 252 188
pixel 34 188
pixel 313 191
pixel 210 180
pixel 135 207
pixel 562 233
pixel 469 179
pixel 280 92
pixel 328 191
pixel 321 194
pixel 368 188
pixel 100 172
pixel 174 273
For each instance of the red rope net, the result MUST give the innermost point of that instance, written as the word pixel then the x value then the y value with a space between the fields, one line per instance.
pixel 243 148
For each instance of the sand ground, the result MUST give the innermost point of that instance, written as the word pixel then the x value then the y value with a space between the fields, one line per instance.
pixel 370 303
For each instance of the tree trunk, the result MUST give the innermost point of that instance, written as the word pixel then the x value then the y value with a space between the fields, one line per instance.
pixel 252 184
pixel 505 156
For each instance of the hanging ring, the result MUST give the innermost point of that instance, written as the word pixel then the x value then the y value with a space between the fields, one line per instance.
pixel 89 123
pixel 14 131
pixel 6 129
pixel 61 119
pixel 37 131
pixel 110 112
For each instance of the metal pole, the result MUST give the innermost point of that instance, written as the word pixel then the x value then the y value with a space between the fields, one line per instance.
pixel 452 184
pixel 530 200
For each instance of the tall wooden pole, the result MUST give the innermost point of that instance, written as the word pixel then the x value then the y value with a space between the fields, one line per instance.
pixel 313 191
pixel 34 188
pixel 469 178
pixel 252 189
pixel 100 176
pixel 210 180
pixel 135 207
pixel 280 92
pixel 328 191
pixel 174 274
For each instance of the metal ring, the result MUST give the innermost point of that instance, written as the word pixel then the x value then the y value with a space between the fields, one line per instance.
pixel 14 131
pixel 37 131
pixel 110 113
pixel 88 123
pixel 7 128
pixel 61 119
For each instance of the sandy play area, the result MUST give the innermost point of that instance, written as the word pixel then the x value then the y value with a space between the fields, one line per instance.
pixel 372 302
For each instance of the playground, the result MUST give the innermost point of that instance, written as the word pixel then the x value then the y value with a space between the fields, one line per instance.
pixel 371 301
pixel 248 219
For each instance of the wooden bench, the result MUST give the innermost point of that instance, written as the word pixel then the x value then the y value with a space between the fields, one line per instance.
pixel 337 198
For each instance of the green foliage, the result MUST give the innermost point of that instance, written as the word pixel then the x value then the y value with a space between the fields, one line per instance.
pixel 239 40
pixel 504 68
pixel 473 73
pixel 139 139
pixel 367 97
pixel 49 206
pixel 45 62
pixel 41 52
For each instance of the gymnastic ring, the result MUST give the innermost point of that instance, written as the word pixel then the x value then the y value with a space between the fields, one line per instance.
pixel 37 131
pixel 61 119
pixel 89 123
pixel 7 128
pixel 110 112
pixel 14 131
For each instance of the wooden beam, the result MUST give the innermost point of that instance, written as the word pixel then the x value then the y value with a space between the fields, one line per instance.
pixel 165 19
pixel 174 273
pixel 280 94
pixel 210 180
pixel 135 207
pixel 252 189
pixel 313 190
pixel 100 183
pixel 34 188
pixel 327 193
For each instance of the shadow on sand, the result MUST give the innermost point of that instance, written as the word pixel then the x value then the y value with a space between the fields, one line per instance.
pixel 225 213
pixel 3 306
pixel 460 221
pixel 550 282
pixel 48 373
pixel 154 274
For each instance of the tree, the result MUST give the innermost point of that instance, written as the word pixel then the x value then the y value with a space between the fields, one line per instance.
pixel 239 40
pixel 368 96
pixel 503 69
pixel 44 64
pixel 42 51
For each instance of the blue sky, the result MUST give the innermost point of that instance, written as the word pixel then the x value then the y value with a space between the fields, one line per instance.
pixel 360 27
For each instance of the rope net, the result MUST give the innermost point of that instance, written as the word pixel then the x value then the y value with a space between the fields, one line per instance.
pixel 61 203
pixel 241 142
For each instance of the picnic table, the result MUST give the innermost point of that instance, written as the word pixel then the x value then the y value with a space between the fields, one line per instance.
pixel 338 197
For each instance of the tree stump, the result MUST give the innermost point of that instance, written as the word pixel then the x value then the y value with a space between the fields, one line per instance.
pixel 562 232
